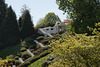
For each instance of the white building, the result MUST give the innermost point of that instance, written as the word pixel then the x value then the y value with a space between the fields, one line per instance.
pixel 58 27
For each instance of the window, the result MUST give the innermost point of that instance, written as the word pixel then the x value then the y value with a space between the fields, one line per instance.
pixel 47 29
pixel 51 28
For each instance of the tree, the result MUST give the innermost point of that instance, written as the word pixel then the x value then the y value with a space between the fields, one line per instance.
pixel 77 50
pixel 83 13
pixel 2 10
pixel 27 25
pixel 49 20
pixel 9 32
pixel 20 23
pixel 39 22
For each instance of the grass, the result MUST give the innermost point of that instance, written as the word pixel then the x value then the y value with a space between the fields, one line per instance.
pixel 38 62
pixel 11 50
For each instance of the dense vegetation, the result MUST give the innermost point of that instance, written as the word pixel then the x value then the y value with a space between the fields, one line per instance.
pixel 78 50
pixel 9 32
pixel 69 49
pixel 26 25
pixel 49 20
pixel 83 13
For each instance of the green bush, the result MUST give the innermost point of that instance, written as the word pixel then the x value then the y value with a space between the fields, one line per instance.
pixel 40 38
pixel 10 57
pixel 77 50
pixel 37 52
pixel 16 57
pixel 24 44
pixel 23 49
pixel 25 55
pixel 45 42
pixel 17 62
pixel 33 59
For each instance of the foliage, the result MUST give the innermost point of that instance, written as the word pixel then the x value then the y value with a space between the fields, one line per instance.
pixel 49 20
pixel 25 55
pixel 9 50
pixel 27 28
pixel 7 62
pixel 39 22
pixel 2 10
pixel 40 50
pixel 9 32
pixel 23 49
pixel 10 57
pixel 38 62
pixel 40 38
pixel 17 62
pixel 35 58
pixel 78 50
pixel 83 13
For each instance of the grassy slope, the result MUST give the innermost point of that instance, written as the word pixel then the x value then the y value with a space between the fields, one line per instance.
pixel 38 62
pixel 9 50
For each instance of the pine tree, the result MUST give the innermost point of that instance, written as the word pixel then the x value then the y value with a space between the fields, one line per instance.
pixel 2 10
pixel 20 23
pixel 27 25
pixel 9 32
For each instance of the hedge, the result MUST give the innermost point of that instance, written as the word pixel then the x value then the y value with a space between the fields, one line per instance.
pixel 33 59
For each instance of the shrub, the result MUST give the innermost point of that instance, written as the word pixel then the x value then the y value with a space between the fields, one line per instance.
pixel 17 62
pixel 37 52
pixel 10 57
pixel 23 49
pixel 16 57
pixel 77 50
pixel 24 44
pixel 25 55
pixel 40 38
pixel 33 59
pixel 45 42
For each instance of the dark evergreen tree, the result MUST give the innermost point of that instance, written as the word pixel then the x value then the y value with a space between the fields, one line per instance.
pixel 27 25
pixel 20 23
pixel 2 10
pixel 9 33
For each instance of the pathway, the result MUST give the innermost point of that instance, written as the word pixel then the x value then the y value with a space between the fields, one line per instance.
pixel 13 66
pixel 21 60
pixel 39 43
pixel 45 33
pixel 30 52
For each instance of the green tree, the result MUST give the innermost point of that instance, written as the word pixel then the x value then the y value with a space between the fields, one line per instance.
pixel 77 50
pixel 83 13
pixel 2 10
pixel 27 25
pixel 20 23
pixel 49 20
pixel 39 22
pixel 9 32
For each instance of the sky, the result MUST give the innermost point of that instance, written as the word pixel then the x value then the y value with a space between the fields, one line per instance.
pixel 38 8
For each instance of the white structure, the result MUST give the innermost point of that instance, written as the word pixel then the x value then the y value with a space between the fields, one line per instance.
pixel 58 27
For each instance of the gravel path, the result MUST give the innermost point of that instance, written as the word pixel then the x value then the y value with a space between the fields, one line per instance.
pixel 39 43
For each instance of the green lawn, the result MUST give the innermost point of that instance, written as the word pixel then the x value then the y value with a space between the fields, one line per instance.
pixel 9 50
pixel 38 62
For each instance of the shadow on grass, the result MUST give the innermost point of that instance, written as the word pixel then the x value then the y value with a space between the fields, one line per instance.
pixel 11 50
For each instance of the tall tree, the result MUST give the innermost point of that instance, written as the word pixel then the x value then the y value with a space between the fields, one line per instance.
pixel 20 23
pixel 39 22
pixel 2 10
pixel 27 25
pixel 49 20
pixel 83 13
pixel 9 32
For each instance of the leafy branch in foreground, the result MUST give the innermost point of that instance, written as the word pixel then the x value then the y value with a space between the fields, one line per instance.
pixel 78 50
